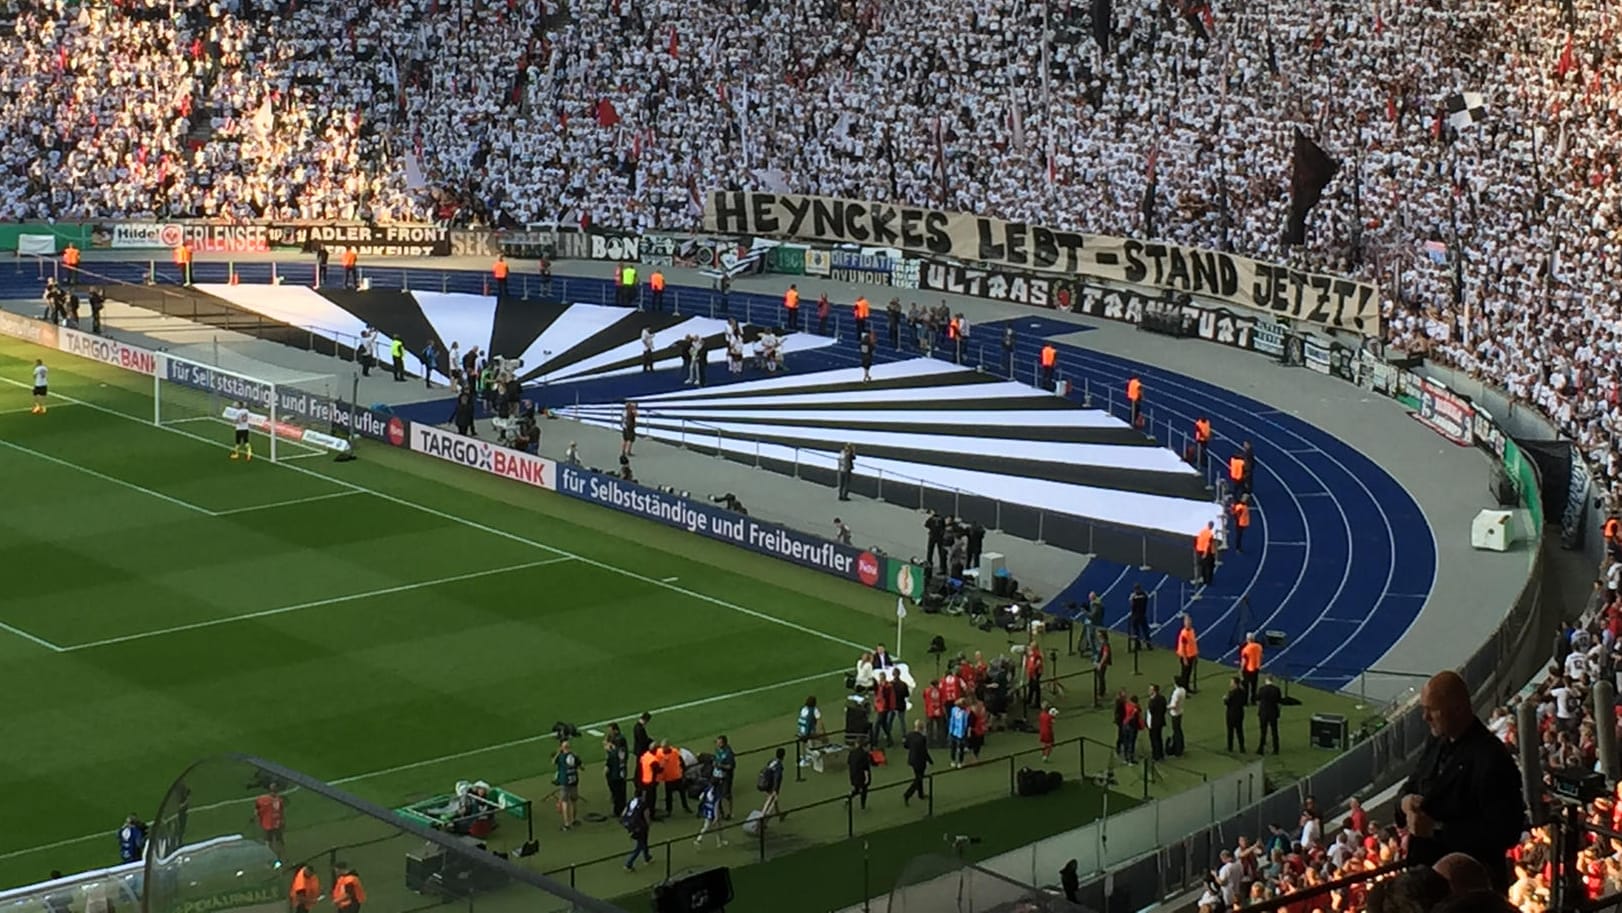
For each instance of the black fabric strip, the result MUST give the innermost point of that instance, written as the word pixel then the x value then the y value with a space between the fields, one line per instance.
pixel 622 332
pixel 519 323
pixel 393 313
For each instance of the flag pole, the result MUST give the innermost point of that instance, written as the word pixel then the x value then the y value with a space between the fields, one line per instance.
pixel 900 616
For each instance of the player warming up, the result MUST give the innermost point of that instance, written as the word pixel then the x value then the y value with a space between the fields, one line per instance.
pixel 41 375
pixel 238 415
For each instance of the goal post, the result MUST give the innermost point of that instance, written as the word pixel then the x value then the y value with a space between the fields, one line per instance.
pixel 286 414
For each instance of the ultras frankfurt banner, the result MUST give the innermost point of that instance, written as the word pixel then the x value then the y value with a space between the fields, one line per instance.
pixel 1327 301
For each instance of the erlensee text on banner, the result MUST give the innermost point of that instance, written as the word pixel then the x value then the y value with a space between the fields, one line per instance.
pixel 1324 300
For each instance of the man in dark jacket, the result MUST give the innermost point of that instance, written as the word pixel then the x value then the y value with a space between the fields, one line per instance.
pixel 860 760
pixel 1268 700
pixel 641 742
pixel 1464 796
pixel 1157 723
pixel 917 746
pixel 936 527
pixel 1235 702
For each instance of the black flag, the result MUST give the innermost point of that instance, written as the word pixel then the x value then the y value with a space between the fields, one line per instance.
pixel 1313 170
pixel 1103 20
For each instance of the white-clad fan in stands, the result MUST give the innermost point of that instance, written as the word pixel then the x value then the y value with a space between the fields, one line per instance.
pixel 617 122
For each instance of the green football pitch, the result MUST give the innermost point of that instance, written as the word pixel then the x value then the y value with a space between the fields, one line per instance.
pixel 393 625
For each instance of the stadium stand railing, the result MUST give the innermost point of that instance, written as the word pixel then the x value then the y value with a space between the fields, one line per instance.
pixel 939 882
pixel 837 818
pixel 402 865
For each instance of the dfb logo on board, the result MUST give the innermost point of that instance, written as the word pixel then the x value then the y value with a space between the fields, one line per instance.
pixel 867 569
pixel 396 432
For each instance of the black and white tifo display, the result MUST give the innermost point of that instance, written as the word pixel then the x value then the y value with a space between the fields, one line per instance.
pixel 920 422
pixel 555 342
pixel 946 426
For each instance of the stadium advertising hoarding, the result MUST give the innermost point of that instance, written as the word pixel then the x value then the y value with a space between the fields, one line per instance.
pixel 1277 289
pixel 199 235
pixel 367 240
pixel 763 538
pixel 591 245
pixel 1575 513
pixel 38 332
pixel 1210 324
pixel 107 351
pixel 1213 324
pixel 292 403
pixel 484 456
pixel 1445 412
pixel 995 284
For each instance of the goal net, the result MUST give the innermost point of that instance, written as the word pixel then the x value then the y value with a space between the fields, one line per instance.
pixel 290 415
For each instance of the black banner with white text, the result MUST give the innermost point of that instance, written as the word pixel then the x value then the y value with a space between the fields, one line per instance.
pixel 1276 289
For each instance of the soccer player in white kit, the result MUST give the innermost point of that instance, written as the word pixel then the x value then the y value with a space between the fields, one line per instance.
pixel 238 416
pixel 41 383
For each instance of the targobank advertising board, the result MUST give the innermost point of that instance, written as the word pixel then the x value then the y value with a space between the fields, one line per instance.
pixel 483 456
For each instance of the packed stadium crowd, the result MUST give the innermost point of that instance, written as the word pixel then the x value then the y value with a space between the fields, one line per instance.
pixel 1494 241
pixel 1318 849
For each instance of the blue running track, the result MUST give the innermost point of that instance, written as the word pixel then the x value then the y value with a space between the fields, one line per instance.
pixel 1339 557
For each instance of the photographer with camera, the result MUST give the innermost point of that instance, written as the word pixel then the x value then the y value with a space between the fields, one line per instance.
pixel 567 780
pixel 730 502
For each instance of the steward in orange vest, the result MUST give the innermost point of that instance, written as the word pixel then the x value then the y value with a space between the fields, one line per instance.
pixel 306 890
pixel 1205 551
pixel 70 259
pixel 1134 396
pixel 1188 652
pixel 351 281
pixel 1202 438
pixel 183 260
pixel 1050 357
pixel 500 270
pixel 1241 521
pixel 656 284
pixel 862 309
pixel 791 307
pixel 1250 664
pixel 348 894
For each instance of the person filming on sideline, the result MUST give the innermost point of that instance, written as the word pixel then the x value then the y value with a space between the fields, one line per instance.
pixel 1464 795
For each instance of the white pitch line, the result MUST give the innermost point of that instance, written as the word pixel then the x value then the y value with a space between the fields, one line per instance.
pixel 289 503
pixel 335 600
pixel 599 724
pixel 21 410
pixel 106 478
pixel 458 756
pixel 31 638
pixel 494 531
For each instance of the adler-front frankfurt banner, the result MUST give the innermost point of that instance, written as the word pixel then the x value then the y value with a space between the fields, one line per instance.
pixel 1327 301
